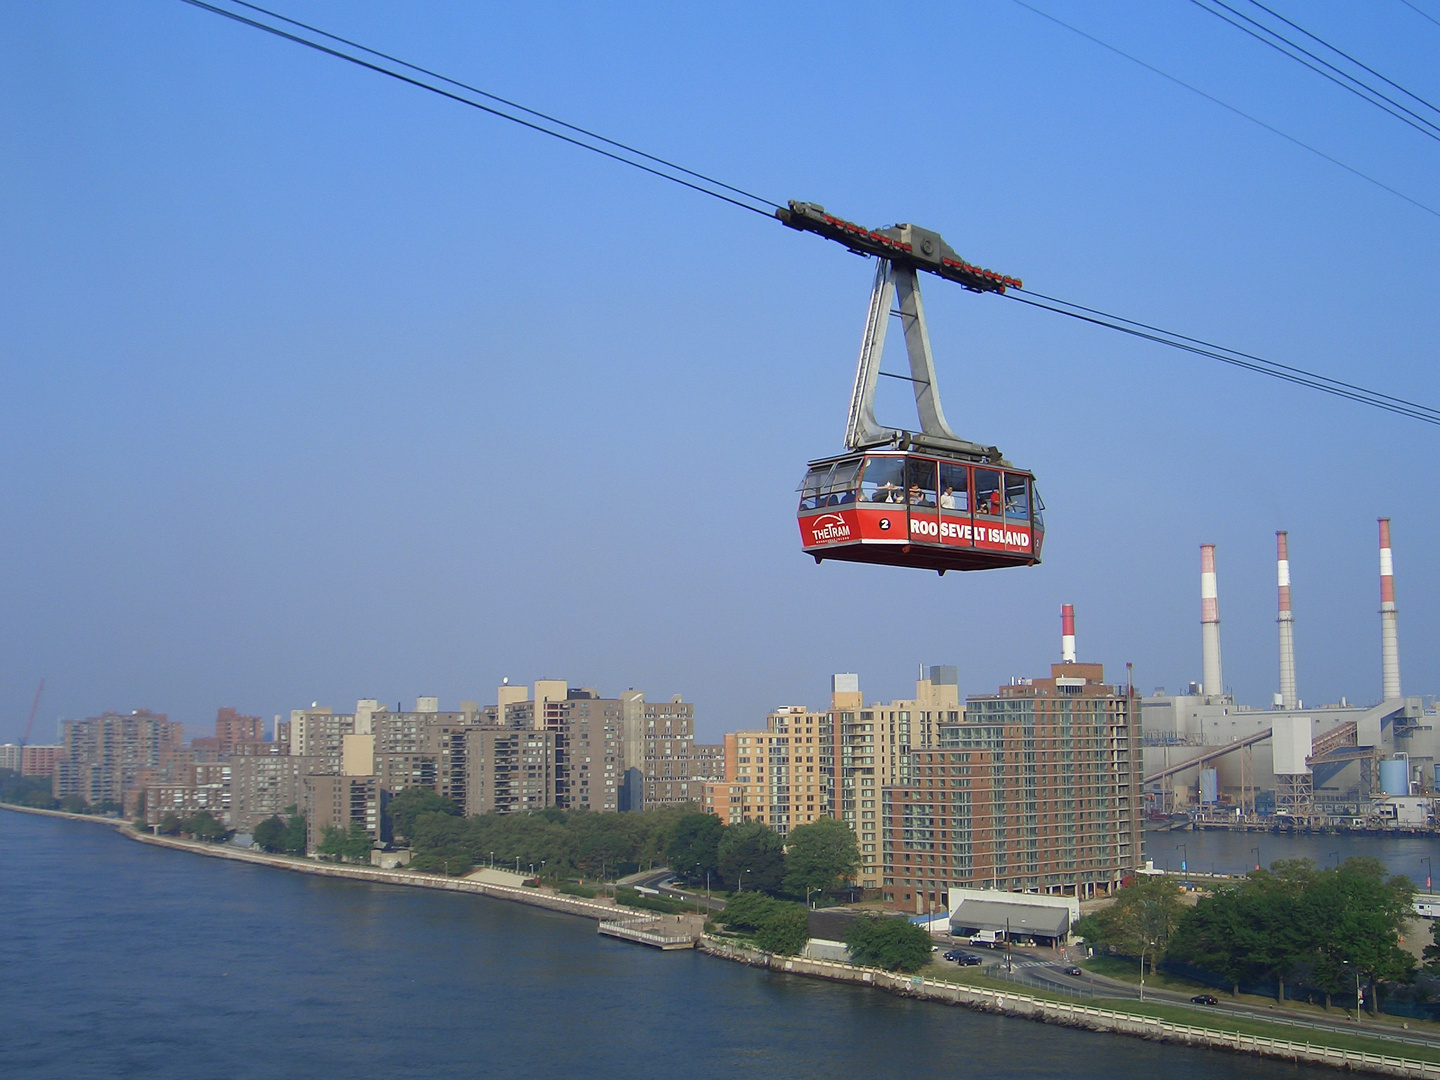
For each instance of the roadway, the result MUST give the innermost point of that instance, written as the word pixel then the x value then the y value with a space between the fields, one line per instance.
pixel 1052 972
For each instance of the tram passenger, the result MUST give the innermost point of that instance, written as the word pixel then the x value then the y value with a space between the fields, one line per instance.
pixel 995 503
pixel 918 497
pixel 888 493
pixel 947 498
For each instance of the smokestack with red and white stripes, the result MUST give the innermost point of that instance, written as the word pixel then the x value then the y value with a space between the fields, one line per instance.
pixel 1210 622
pixel 1389 639
pixel 1067 633
pixel 1288 697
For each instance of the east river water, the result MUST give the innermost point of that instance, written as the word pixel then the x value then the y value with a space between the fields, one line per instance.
pixel 119 959
pixel 1225 852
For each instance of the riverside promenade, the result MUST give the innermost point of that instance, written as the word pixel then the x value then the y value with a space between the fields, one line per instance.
pixel 661 932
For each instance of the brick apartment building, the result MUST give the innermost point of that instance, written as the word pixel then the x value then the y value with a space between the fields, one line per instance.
pixel 1037 790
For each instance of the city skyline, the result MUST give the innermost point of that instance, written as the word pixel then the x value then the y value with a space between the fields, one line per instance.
pixel 289 415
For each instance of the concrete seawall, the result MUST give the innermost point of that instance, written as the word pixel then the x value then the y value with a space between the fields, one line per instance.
pixel 1088 1017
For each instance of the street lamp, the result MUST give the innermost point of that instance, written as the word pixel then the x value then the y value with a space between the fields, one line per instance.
pixel 1143 946
pixel 492 860
pixel 1256 850
pixel 1426 860
pixel 1184 857
pixel 1359 1001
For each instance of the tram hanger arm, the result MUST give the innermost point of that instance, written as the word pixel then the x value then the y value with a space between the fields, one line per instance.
pixel 908 245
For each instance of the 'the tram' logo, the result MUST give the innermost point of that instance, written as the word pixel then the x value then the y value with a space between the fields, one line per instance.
pixel 829 529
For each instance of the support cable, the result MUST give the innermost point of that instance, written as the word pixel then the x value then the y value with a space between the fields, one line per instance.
pixel 493 111
pixel 1342 79
pixel 1231 108
pixel 708 185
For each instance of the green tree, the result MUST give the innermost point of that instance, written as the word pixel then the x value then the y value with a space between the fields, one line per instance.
pixel 893 943
pixel 332 842
pixel 74 804
pixel 269 835
pixel 1431 952
pixel 203 826
pixel 784 930
pixel 820 856
pixel 358 845
pixel 409 804
pixel 1139 923
pixel 1372 909
pixel 169 823
pixel 296 834
pixel 776 926
pixel 752 857
pixel 694 847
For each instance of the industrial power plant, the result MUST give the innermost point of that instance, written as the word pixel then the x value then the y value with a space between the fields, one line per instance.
pixel 1210 763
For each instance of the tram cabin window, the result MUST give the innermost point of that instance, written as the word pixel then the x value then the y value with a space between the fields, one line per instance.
pixel 843 481
pixel 883 480
pixel 988 499
pixel 830 485
pixel 920 482
pixel 810 498
pixel 1017 496
pixel 954 488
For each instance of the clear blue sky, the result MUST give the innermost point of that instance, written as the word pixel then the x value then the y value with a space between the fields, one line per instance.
pixel 314 386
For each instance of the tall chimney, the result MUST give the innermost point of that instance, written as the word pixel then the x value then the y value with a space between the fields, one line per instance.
pixel 1288 697
pixel 1389 640
pixel 1067 633
pixel 1210 622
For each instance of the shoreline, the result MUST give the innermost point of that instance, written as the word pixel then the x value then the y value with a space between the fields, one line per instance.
pixel 976 999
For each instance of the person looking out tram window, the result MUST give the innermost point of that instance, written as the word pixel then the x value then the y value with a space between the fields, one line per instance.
pixel 988 499
pixel 882 481
pixel 955 488
pixel 920 482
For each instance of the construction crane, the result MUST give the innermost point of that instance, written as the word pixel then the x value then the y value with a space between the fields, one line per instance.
pixel 34 706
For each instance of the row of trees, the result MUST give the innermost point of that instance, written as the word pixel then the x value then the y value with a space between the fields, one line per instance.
pixel 202 826
pixel 282 836
pixel 747 857
pixel 1328 929
pixel 35 791
pixel 777 926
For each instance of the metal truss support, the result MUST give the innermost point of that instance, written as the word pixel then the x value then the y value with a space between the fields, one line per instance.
pixel 1294 794
pixel 862 429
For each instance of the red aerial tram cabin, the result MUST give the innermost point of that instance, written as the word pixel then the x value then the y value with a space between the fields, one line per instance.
pixel 927 499
pixel 901 508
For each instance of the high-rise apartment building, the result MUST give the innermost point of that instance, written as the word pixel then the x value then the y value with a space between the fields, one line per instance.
pixel 263 786
pixel 1038 789
pixel 104 754
pixel 340 802
pixel 509 769
pixel 320 733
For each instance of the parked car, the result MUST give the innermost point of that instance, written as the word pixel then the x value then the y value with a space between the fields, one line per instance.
pixel 1205 999
pixel 953 954
pixel 1075 971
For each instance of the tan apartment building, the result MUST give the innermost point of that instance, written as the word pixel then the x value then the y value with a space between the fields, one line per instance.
pixel 341 801
pixel 509 770
pixel 263 786
pixel 1037 790
pixel 319 732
